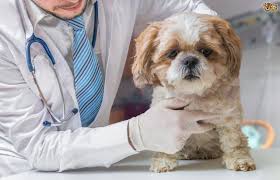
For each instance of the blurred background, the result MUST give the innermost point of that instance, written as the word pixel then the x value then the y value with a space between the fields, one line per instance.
pixel 258 27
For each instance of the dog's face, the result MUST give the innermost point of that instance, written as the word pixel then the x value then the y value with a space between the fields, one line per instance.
pixel 189 52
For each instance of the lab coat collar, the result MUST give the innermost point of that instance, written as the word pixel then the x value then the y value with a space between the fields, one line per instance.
pixel 36 14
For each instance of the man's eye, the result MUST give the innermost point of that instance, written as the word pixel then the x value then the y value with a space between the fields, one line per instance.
pixel 206 51
pixel 173 53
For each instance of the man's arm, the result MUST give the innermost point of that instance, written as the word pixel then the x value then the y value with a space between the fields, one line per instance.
pixel 150 10
pixel 47 149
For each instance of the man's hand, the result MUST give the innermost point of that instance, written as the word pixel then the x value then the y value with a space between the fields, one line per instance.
pixel 165 127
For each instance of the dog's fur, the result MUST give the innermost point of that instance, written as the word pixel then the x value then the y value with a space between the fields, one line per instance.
pixel 164 54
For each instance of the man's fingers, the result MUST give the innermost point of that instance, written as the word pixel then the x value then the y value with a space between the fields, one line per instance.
pixel 200 115
pixel 216 120
pixel 174 103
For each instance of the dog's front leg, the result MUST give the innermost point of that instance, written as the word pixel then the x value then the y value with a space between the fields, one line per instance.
pixel 162 162
pixel 234 145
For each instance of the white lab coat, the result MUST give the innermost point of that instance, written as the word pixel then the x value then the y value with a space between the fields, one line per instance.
pixel 24 142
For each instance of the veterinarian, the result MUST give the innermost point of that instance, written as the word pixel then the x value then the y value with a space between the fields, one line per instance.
pixel 61 62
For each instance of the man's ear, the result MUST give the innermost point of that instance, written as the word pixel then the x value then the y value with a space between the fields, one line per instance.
pixel 146 44
pixel 231 43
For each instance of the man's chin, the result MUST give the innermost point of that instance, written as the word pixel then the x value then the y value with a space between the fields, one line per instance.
pixel 70 13
pixel 66 14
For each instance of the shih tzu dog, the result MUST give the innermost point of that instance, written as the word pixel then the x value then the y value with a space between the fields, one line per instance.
pixel 196 58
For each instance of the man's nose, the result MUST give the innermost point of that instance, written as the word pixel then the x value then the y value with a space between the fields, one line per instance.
pixel 190 62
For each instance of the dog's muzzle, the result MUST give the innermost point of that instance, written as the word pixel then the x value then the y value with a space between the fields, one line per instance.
pixel 191 68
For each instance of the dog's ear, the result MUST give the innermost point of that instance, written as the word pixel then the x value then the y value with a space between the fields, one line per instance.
pixel 146 44
pixel 231 43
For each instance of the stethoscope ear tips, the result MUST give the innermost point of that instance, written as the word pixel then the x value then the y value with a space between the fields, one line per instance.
pixel 47 124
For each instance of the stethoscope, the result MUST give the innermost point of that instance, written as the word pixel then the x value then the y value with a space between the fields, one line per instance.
pixel 34 39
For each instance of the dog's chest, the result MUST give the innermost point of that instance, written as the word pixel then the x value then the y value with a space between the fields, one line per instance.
pixel 222 102
pixel 215 104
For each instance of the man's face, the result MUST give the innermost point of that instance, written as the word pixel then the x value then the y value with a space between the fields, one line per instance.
pixel 65 9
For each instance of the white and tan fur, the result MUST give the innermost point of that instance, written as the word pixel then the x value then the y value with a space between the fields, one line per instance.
pixel 211 85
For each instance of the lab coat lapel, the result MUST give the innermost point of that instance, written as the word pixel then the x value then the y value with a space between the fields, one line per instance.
pixel 64 72
pixel 105 20
pixel 121 30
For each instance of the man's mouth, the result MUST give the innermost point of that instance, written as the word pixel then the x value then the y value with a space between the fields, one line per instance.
pixel 72 7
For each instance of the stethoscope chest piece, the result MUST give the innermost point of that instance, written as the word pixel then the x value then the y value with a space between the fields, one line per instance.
pixel 55 124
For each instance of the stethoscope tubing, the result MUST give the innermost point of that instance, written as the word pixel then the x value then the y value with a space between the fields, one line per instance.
pixel 30 41
pixel 44 99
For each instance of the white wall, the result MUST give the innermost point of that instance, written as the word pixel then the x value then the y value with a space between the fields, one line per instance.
pixel 260 76
pixel 260 86
pixel 230 8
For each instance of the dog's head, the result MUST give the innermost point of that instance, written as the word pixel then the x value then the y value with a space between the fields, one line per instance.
pixel 187 51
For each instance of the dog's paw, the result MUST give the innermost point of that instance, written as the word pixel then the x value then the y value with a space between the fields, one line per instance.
pixel 240 164
pixel 160 165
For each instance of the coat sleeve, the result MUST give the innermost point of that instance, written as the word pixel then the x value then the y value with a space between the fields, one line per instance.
pixel 156 10
pixel 47 149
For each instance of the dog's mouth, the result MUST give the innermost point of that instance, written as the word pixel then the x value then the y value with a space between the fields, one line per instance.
pixel 191 73
pixel 191 77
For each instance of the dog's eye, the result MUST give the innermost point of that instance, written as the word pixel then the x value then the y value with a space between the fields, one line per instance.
pixel 173 53
pixel 206 51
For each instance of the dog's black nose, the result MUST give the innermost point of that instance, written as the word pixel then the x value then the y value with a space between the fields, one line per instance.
pixel 190 62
